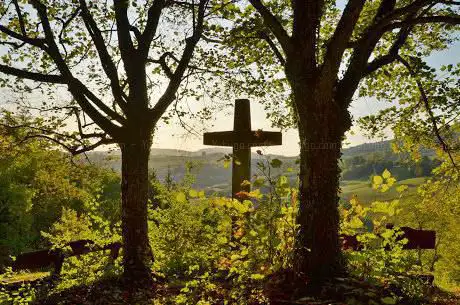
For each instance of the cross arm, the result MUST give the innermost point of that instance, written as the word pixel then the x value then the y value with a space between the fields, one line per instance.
pixel 219 138
pixel 243 139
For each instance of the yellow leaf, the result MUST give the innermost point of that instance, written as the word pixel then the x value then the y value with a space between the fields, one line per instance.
pixel 391 181
pixel 255 194
pixel 377 180
pixel 245 183
pixel 354 200
pixel 386 174
pixel 356 223
pixel 181 197
pixel 192 193
pixel 385 187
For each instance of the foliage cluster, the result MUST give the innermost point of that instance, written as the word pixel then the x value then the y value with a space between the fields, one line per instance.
pixel 37 182
pixel 215 248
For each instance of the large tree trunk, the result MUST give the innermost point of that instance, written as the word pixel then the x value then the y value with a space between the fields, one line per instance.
pixel 322 124
pixel 137 254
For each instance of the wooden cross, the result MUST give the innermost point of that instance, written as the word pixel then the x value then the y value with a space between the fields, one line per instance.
pixel 242 138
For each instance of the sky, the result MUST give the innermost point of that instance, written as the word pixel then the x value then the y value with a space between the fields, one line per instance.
pixel 174 137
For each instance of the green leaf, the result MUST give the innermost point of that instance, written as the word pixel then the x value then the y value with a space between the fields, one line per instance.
pixel 257 276
pixel 276 163
pixel 259 182
pixel 283 181
pixel 388 300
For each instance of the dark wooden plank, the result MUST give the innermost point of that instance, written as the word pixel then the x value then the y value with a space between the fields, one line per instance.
pixel 266 138
pixel 419 239
pixel 37 259
pixel 243 139
pixel 55 257
pixel 219 138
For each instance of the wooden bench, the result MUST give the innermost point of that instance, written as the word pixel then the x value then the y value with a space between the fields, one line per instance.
pixel 417 239
pixel 55 257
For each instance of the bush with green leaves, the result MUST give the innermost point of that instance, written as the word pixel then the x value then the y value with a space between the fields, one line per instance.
pixel 193 239
pixel 72 226
pixel 188 235
pixel 213 249
pixel 382 259
pixel 36 181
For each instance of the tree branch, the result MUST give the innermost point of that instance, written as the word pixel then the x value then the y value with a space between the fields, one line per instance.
pixel 35 76
pixel 136 32
pixel 426 103
pixel 20 18
pixel 383 23
pixel 393 53
pixel 74 150
pixel 273 24
pixel 58 138
pixel 37 42
pixel 362 51
pixel 65 24
pixel 164 65
pixel 80 127
pixel 74 85
pixel 453 20
pixel 306 28
pixel 273 46
pixel 107 64
pixel 168 96
pixel 153 19
pixel 124 37
pixel 390 15
pixel 99 103
pixel 341 37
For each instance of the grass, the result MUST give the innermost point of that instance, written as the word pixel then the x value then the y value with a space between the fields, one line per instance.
pixel 363 190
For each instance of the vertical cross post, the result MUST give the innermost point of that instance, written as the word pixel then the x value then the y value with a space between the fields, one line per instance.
pixel 241 165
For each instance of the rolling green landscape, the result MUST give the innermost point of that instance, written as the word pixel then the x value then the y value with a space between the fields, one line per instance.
pixel 358 164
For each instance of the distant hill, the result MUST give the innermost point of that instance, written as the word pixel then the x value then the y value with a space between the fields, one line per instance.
pixel 358 163
pixel 377 147
pixel 366 148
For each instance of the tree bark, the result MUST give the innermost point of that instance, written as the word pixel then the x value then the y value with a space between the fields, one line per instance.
pixel 322 123
pixel 137 253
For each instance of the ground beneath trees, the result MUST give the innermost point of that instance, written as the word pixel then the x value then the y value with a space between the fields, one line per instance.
pixel 343 291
